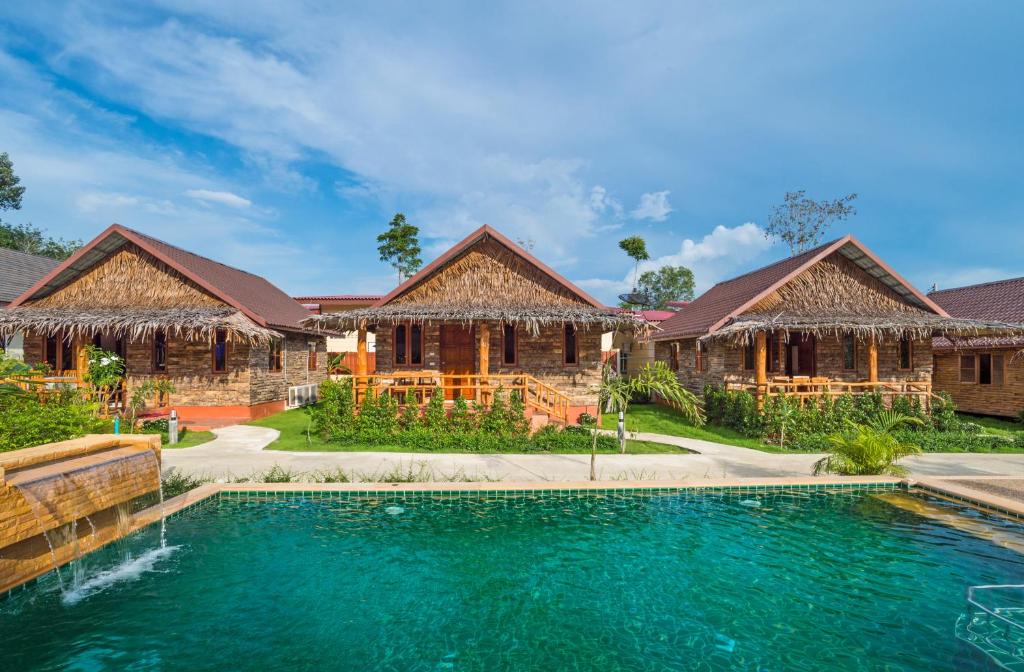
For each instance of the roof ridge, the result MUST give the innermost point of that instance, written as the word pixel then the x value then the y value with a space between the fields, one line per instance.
pixel 977 285
pixel 29 254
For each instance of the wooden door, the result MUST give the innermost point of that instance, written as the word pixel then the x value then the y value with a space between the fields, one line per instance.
pixel 458 357
pixel 801 356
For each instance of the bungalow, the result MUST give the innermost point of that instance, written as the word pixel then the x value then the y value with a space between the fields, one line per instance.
pixel 18 272
pixel 830 320
pixel 985 374
pixel 483 315
pixel 231 343
pixel 633 352
pixel 344 344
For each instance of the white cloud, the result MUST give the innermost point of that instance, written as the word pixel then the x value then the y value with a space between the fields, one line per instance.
pixel 602 202
pixel 653 206
pixel 721 254
pixel 222 197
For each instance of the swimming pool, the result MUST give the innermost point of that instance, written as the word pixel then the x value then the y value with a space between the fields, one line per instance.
pixel 809 579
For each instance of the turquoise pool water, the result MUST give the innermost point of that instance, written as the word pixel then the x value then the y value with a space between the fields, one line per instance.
pixel 690 581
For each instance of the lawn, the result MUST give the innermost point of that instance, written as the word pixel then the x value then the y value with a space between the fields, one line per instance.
pixel 296 436
pixel 1000 426
pixel 658 419
pixel 187 438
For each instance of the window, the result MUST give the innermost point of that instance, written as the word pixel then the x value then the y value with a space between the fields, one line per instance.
pixel 570 350
pixel 67 355
pixel 220 351
pixel 905 354
pixel 509 345
pixel 401 344
pixel 121 348
pixel 673 355
pixel 748 357
pixel 967 369
pixel 97 340
pixel 408 345
pixel 698 357
pixel 159 351
pixel 311 356
pixel 990 369
pixel 997 369
pixel 416 345
pixel 849 352
pixel 50 352
pixel 774 352
pixel 623 363
pixel 276 360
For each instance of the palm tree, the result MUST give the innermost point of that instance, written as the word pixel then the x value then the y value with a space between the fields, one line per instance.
pixel 654 380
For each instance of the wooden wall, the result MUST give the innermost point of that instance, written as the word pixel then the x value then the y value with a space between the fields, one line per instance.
pixel 1004 400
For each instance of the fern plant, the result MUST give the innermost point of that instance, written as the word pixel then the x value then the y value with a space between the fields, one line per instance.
pixel 870 449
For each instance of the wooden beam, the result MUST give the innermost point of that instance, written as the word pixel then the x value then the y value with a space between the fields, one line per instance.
pixel 485 349
pixel 872 360
pixel 761 365
pixel 361 352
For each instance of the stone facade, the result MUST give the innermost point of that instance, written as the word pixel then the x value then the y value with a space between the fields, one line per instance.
pixel 723 362
pixel 540 356
pixel 1006 400
pixel 247 382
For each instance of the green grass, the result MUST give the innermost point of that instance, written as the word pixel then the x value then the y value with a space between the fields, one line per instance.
pixel 999 426
pixel 658 419
pixel 188 439
pixel 294 424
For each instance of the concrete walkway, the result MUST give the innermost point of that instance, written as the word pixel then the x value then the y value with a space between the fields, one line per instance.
pixel 238 451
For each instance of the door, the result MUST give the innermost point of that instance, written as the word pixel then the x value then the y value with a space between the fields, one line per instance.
pixel 458 357
pixel 800 355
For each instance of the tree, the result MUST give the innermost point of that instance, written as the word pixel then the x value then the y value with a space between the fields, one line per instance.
pixel 10 191
pixel 668 283
pixel 636 248
pixel 654 380
pixel 33 240
pixel 400 247
pixel 25 237
pixel 801 222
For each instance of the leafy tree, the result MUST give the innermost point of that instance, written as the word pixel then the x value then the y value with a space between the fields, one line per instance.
pixel 10 190
pixel 668 283
pixel 399 246
pixel 636 248
pixel 33 240
pixel 801 222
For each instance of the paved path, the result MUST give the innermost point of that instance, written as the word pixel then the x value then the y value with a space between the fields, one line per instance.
pixel 238 451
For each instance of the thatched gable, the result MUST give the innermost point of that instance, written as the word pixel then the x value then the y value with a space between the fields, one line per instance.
pixel 486 277
pixel 128 277
pixel 488 274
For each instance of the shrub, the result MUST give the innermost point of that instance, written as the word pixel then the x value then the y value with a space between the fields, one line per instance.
pixel 434 416
pixel 934 441
pixel 175 483
pixel 334 415
pixel 29 422
pixel 869 449
pixel 461 419
pixel 410 411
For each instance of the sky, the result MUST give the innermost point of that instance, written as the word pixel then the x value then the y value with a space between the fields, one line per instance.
pixel 281 137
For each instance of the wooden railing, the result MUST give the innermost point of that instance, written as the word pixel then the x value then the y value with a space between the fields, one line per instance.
pixel 535 394
pixel 45 385
pixel 813 388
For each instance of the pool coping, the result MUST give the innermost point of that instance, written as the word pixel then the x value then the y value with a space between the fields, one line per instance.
pixel 945 487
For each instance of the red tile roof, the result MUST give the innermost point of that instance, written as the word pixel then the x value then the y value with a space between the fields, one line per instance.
pixel 339 298
pixel 255 296
pixel 1002 300
pixel 726 300
pixel 722 300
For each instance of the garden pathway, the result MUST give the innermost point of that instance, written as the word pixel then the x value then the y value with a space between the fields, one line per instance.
pixel 238 451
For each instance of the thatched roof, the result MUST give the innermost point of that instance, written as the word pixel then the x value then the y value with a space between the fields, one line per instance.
pixel 919 325
pixel 531 318
pixel 136 323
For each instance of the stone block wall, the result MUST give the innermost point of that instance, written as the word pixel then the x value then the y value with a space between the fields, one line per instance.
pixel 540 356
pixel 267 385
pixel 723 362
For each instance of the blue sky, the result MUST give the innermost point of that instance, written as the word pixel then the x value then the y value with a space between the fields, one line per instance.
pixel 281 137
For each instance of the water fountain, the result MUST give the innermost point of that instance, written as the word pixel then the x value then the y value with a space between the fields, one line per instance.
pixel 49 494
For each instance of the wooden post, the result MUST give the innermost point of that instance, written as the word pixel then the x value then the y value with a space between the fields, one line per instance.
pixel 485 353
pixel 872 360
pixel 361 352
pixel 761 366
